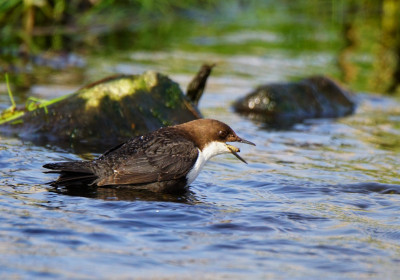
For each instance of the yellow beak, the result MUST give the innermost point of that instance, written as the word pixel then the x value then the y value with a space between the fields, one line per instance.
pixel 234 150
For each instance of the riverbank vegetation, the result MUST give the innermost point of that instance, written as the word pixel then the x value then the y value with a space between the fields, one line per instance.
pixel 363 35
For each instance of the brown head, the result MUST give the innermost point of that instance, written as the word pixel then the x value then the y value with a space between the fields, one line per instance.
pixel 204 132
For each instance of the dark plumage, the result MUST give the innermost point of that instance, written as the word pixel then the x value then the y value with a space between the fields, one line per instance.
pixel 158 161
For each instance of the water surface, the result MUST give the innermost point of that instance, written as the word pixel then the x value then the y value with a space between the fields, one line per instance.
pixel 319 199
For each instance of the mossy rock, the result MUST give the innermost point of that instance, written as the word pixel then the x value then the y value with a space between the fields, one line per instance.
pixel 109 111
pixel 281 104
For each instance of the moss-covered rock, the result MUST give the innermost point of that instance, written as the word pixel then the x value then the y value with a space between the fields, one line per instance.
pixel 108 111
pixel 286 103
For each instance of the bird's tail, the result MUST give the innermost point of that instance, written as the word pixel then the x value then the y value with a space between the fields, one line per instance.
pixel 73 173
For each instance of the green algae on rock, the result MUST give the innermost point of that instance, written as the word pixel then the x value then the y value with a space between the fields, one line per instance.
pixel 108 111
pixel 282 104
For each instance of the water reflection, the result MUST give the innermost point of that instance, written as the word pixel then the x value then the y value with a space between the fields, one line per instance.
pixel 127 194
pixel 366 188
pixel 320 198
pixel 355 41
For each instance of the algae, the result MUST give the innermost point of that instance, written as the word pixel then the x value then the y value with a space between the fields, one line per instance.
pixel 108 111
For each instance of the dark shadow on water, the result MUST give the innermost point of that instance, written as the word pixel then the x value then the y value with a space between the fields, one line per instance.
pixel 268 123
pixel 370 187
pixel 287 123
pixel 361 188
pixel 126 194
pixel 311 189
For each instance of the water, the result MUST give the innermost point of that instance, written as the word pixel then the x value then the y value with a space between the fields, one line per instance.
pixel 318 200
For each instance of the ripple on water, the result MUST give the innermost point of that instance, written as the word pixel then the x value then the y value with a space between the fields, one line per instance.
pixel 322 198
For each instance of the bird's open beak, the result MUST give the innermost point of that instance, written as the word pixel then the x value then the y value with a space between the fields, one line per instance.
pixel 234 150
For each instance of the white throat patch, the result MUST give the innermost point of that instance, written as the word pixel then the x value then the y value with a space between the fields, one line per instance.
pixel 209 151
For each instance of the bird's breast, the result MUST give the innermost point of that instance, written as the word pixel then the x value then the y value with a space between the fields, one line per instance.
pixel 198 165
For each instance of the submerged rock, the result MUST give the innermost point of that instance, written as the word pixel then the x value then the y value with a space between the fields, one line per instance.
pixel 287 103
pixel 108 111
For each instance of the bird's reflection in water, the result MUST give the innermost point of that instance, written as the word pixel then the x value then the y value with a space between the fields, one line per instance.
pixel 127 193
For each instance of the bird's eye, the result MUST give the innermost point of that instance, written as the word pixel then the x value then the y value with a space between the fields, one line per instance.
pixel 222 134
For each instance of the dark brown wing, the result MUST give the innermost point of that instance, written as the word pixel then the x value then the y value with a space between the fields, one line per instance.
pixel 159 157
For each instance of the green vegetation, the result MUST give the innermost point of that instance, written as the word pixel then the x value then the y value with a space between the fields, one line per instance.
pixel 9 113
pixel 41 24
pixel 362 36
pixel 32 103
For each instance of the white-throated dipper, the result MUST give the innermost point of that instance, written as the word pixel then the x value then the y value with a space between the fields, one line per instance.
pixel 165 160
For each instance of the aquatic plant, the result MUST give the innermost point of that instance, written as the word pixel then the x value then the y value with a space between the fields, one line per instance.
pixel 32 103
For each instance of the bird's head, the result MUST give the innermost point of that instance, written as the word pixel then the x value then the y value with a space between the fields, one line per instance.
pixel 212 137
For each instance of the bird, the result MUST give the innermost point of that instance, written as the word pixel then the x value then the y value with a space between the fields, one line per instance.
pixel 166 160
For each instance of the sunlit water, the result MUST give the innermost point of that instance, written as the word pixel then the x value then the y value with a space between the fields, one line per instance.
pixel 321 199
pixel 318 200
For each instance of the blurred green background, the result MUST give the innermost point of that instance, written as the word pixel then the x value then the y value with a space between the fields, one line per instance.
pixel 39 38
